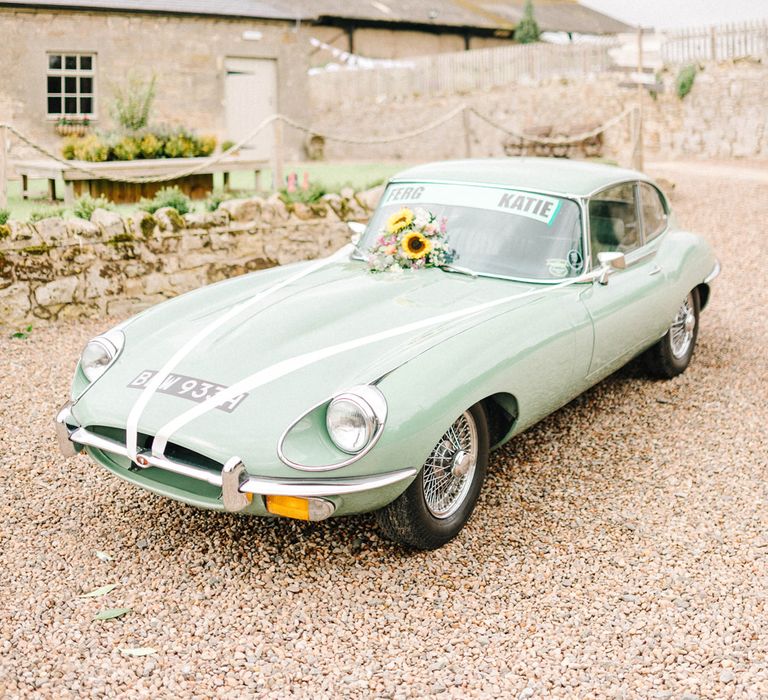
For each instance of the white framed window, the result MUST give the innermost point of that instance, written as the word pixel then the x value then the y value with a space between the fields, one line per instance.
pixel 71 85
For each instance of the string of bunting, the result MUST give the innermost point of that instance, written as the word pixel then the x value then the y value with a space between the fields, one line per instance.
pixel 358 141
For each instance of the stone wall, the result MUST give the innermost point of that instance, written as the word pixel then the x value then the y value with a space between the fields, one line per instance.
pixel 725 115
pixel 110 265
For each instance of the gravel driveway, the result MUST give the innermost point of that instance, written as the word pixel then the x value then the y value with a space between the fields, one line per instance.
pixel 620 548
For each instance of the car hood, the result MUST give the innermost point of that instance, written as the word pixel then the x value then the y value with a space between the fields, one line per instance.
pixel 336 304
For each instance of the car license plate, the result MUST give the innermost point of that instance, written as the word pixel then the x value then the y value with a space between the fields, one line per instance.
pixel 189 388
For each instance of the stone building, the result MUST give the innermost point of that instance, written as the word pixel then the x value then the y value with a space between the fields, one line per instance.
pixel 222 67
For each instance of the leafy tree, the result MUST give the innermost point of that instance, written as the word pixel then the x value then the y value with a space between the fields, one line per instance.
pixel 527 31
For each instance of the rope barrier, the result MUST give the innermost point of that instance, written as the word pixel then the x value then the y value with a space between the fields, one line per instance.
pixel 402 136
pixel 377 140
pixel 556 140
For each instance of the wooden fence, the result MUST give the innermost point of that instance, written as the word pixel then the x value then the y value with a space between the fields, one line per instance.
pixel 717 43
pixel 459 73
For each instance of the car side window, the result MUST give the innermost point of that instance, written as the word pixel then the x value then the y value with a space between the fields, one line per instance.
pixel 654 213
pixel 613 220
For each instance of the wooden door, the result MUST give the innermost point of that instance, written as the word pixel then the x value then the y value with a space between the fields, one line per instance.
pixel 250 97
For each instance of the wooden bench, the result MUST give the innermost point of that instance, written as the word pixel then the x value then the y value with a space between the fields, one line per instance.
pixel 77 183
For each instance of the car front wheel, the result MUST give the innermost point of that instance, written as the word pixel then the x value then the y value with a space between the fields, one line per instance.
pixel 672 354
pixel 439 502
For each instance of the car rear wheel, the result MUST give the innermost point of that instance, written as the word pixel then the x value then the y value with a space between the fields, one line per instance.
pixel 672 354
pixel 439 502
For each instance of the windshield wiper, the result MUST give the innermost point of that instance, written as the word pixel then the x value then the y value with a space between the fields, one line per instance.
pixel 459 270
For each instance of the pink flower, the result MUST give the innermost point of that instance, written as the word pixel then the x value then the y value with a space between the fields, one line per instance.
pixel 443 225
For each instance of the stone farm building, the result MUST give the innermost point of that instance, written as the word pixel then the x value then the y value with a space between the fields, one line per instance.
pixel 223 66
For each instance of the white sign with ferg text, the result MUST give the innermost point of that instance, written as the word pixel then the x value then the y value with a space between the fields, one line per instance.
pixel 528 204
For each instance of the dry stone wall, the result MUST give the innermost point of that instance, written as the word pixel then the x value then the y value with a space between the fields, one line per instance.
pixel 724 116
pixel 57 269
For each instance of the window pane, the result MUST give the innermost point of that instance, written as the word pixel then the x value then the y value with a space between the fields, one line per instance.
pixel 86 105
pixel 613 221
pixel 70 85
pixel 70 62
pixel 70 105
pixel 86 85
pixel 86 62
pixel 654 216
pixel 54 62
pixel 54 105
pixel 54 83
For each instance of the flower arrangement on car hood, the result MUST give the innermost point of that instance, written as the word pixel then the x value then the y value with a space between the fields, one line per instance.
pixel 410 240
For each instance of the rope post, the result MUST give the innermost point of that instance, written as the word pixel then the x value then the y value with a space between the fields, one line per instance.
pixel 278 154
pixel 3 166
pixel 467 132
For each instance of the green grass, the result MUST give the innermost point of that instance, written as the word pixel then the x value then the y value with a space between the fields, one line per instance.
pixel 331 176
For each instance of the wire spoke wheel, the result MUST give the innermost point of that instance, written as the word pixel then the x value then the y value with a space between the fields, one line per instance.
pixel 450 468
pixel 682 330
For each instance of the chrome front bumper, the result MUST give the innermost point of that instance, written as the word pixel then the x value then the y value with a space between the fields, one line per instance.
pixel 234 480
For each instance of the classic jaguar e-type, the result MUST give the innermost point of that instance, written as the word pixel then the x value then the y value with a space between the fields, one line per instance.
pixel 481 296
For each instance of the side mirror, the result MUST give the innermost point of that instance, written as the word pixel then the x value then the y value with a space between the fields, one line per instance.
pixel 610 261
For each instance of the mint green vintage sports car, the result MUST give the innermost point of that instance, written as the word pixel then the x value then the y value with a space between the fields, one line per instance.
pixel 329 387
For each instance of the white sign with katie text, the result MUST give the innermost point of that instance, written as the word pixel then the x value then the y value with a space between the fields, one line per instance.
pixel 529 204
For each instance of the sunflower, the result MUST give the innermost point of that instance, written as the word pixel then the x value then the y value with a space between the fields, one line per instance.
pixel 415 245
pixel 402 219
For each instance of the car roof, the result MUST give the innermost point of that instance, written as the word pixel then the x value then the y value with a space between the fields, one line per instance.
pixel 556 175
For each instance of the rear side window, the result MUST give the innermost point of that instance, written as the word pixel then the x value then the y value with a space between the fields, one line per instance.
pixel 654 213
pixel 613 220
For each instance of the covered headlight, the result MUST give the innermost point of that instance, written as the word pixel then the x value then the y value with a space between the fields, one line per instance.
pixel 100 353
pixel 355 417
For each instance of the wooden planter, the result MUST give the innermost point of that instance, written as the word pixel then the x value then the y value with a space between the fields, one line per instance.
pixel 72 129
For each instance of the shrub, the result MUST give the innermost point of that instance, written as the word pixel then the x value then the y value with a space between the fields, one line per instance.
pixel 86 205
pixel 685 79
pixel 527 31
pixel 5 214
pixel 46 213
pixel 226 145
pixel 150 146
pixel 314 192
pixel 158 142
pixel 167 197
pixel 132 102
pixel 206 145
pixel 92 148
pixel 127 148
pixel 181 145
pixel 68 149
pixel 216 198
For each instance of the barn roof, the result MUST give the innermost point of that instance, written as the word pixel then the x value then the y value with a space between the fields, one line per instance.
pixel 486 15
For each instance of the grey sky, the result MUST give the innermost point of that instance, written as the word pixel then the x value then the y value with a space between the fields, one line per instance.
pixel 680 13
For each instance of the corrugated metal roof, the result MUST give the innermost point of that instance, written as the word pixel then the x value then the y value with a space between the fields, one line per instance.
pixel 256 9
pixel 551 15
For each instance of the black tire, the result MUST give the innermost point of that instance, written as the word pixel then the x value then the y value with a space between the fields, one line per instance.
pixel 410 521
pixel 661 360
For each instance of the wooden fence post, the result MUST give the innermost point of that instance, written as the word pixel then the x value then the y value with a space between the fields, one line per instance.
pixel 3 166
pixel 467 132
pixel 278 155
pixel 713 43
pixel 638 155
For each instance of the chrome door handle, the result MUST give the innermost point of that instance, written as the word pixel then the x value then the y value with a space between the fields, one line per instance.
pixel 656 270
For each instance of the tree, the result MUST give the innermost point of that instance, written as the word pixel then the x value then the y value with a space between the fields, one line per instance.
pixel 527 31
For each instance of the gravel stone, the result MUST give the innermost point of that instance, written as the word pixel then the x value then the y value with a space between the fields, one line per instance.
pixel 618 549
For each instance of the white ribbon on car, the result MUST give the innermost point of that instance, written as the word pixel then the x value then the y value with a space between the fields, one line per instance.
pixel 152 386
pixel 284 367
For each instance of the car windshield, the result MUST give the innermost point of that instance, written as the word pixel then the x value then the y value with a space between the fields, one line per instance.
pixel 493 230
